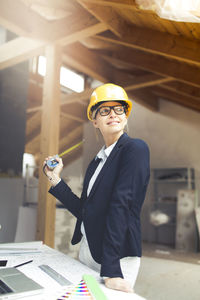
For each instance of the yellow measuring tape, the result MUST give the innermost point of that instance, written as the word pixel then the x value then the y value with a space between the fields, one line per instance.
pixel 52 163
pixel 70 149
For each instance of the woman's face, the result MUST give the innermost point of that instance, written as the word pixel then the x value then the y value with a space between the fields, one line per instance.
pixel 112 123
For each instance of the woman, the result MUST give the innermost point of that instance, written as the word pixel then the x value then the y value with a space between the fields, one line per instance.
pixel 114 188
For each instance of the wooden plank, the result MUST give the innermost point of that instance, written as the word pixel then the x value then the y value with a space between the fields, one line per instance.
pixel 82 33
pixel 107 16
pixel 183 89
pixel 146 81
pixel 152 41
pixel 18 50
pixel 72 117
pixel 33 126
pixel 49 143
pixel 92 64
pixel 176 98
pixel 160 65
pixel 22 20
pixel 22 48
pixel 125 4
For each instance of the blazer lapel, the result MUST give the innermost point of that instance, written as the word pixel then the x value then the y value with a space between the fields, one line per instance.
pixel 90 171
pixel 115 150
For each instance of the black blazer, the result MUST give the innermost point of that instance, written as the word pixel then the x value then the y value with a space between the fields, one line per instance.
pixel 111 212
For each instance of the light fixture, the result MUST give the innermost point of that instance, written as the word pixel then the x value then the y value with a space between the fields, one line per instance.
pixel 175 10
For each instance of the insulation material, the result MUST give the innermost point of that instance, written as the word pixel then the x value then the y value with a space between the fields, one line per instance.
pixel 158 218
pixel 175 10
pixel 186 229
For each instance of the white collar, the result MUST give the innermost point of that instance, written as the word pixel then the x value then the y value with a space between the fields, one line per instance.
pixel 105 152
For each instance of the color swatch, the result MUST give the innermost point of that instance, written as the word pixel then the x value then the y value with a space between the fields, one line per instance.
pixel 77 292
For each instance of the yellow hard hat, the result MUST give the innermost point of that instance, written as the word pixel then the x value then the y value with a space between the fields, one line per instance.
pixel 108 92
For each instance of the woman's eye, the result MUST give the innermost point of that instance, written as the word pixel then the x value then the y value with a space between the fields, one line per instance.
pixel 105 110
pixel 119 109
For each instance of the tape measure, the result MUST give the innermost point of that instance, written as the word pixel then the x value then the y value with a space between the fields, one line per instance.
pixel 52 163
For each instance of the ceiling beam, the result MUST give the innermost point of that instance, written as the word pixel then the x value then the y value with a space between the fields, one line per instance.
pixel 18 50
pixel 20 19
pixel 82 32
pixel 158 64
pixel 22 48
pixel 146 81
pixel 107 16
pixel 125 4
pixel 161 43
pixel 72 117
pixel 175 97
pixel 183 89
pixel 92 64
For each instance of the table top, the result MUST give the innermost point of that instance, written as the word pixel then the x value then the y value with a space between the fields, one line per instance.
pixel 71 269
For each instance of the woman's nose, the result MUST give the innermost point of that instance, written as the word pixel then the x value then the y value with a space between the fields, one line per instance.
pixel 112 113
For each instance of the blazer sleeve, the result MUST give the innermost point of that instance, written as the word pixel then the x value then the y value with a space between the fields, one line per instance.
pixel 133 175
pixel 64 194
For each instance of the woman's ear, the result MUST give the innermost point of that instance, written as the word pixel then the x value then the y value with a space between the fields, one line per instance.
pixel 94 122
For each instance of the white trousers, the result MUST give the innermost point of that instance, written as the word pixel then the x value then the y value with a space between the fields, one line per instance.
pixel 129 265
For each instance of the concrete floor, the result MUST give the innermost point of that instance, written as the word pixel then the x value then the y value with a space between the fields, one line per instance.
pixel 167 274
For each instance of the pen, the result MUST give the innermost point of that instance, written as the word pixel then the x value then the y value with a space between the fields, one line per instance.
pixel 27 262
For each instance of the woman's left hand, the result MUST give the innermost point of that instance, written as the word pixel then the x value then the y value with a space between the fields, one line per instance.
pixel 119 283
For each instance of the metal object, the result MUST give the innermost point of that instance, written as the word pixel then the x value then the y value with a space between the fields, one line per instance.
pixel 55 275
pixel 52 163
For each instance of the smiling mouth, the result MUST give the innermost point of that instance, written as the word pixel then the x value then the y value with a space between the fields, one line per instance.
pixel 113 123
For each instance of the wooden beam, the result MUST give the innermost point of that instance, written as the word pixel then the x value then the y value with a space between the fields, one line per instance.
pixel 152 41
pixel 22 20
pixel 125 4
pixel 81 33
pixel 77 97
pixel 183 89
pixel 92 64
pixel 21 49
pixel 72 117
pixel 158 64
pixel 146 81
pixel 161 43
pixel 107 16
pixel 33 127
pixel 49 143
pixel 18 50
pixel 175 97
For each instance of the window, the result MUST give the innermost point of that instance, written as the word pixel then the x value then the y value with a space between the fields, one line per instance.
pixel 68 78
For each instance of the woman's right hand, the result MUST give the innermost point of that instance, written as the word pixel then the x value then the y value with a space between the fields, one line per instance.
pixel 53 174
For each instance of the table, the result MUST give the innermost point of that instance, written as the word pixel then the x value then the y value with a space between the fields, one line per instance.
pixel 71 269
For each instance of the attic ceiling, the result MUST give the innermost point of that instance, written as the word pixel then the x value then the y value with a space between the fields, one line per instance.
pixel 110 41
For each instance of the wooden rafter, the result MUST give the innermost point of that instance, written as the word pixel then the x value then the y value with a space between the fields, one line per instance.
pixel 125 4
pixel 177 98
pixel 158 64
pixel 183 89
pixel 152 41
pixel 92 64
pixel 149 40
pixel 107 16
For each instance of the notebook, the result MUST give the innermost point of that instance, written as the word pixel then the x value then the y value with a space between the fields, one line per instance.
pixel 15 285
